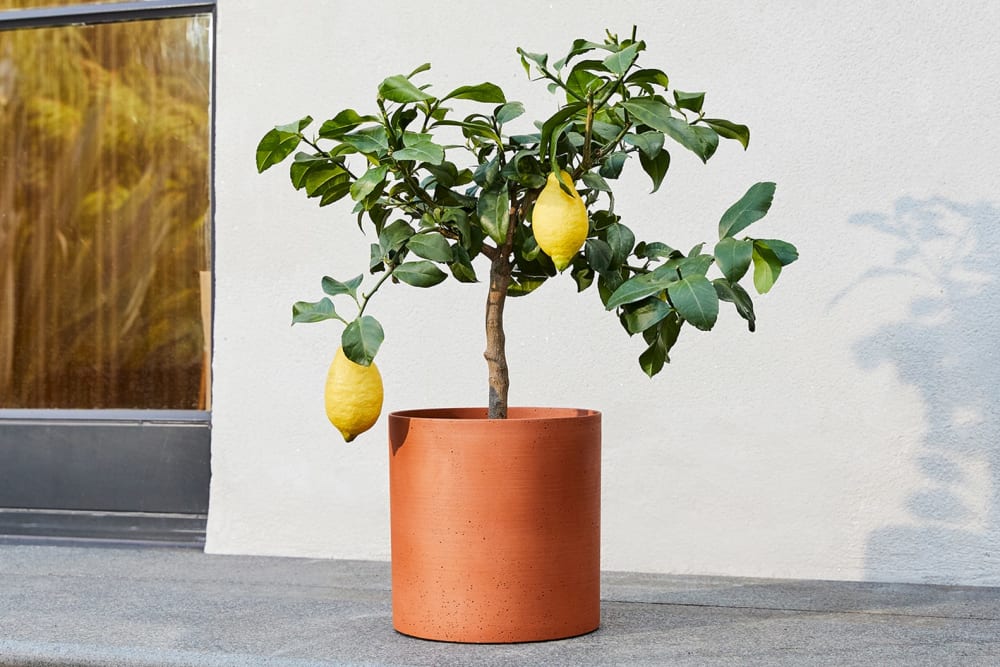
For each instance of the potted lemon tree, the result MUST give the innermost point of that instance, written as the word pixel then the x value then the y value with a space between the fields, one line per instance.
pixel 495 511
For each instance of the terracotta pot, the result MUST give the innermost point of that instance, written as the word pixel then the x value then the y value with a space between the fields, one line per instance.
pixel 496 532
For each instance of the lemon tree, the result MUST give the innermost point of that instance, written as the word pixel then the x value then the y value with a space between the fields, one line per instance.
pixel 449 191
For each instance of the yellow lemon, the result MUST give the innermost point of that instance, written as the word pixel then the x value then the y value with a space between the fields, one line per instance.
pixel 353 395
pixel 559 221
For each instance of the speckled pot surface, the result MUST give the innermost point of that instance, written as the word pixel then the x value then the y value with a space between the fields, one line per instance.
pixel 496 528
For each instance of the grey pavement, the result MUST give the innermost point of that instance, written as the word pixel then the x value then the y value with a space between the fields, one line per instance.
pixel 143 607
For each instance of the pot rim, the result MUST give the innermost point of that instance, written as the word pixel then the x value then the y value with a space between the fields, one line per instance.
pixel 514 414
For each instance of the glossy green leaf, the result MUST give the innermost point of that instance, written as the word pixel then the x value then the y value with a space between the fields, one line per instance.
pixel 582 82
pixel 751 207
pixel 342 123
pixel 483 92
pixel 735 294
pixel 611 166
pixel 318 311
pixel 524 285
pixel 702 141
pixel 279 143
pixel 430 246
pixel 394 235
pixel 419 274
pixel 334 287
pixel 645 315
pixel 620 62
pixel 598 254
pixel 690 101
pixel 373 141
pixel 785 252
pixel 655 250
pixel 638 288
pixel 399 89
pixel 655 167
pixel 695 300
pixel 421 151
pixel 621 240
pixel 647 77
pixel 362 339
pixel 649 112
pixel 594 181
pixel 462 267
pixel 494 212
pixel 734 257
pixel 766 268
pixel 729 130
pixel 370 181
pixel 509 112
pixel 649 143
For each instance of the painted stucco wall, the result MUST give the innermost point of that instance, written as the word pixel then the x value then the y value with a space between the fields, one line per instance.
pixel 853 436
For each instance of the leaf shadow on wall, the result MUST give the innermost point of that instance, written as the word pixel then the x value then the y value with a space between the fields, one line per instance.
pixel 946 348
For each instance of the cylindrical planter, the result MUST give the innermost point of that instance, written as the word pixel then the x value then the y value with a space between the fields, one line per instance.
pixel 495 523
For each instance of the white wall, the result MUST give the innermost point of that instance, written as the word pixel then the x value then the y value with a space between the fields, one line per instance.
pixel 853 436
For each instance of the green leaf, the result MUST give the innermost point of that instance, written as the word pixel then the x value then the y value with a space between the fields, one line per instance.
pixel 419 274
pixel 728 130
pixel 649 143
pixel 421 151
pixel 334 287
pixel 430 246
pixel 785 252
pixel 540 59
pixel 581 82
pixel 305 311
pixel 462 267
pixel 655 167
pixel 394 235
pixel 751 207
pixel 508 112
pixel 594 181
pixel 649 112
pixel 279 143
pixel 342 123
pixel 484 92
pixel 689 101
pixel 660 338
pixel 399 89
pixel 621 240
pixel 638 288
pixel 655 250
pixel 647 314
pixel 361 340
pixel 734 257
pixel 651 361
pixel 735 294
pixel 494 212
pixel 557 121
pixel 695 300
pixel 611 166
pixel 598 254
pixel 373 141
pixel 619 63
pixel 702 141
pixel 370 181
pixel 648 76
pixel 524 285
pixel 766 268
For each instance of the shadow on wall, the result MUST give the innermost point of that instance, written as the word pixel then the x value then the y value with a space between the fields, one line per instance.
pixel 946 348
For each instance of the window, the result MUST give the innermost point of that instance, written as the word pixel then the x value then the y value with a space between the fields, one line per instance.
pixel 105 259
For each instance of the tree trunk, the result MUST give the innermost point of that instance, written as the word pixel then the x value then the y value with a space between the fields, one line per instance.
pixel 496 354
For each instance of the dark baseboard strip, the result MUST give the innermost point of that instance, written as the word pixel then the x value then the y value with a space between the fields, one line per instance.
pixel 97 528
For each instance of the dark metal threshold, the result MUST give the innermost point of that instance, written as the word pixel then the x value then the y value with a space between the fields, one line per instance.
pixel 30 526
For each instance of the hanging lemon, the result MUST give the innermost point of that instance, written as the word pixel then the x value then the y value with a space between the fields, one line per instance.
pixel 559 221
pixel 353 395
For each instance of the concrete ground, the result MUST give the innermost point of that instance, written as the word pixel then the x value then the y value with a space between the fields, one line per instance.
pixel 171 607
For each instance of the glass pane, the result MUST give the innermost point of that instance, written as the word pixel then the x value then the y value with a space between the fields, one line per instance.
pixel 104 215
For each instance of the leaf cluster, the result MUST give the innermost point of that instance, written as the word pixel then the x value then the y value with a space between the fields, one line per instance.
pixel 436 206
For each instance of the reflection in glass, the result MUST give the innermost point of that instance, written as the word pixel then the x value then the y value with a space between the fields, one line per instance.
pixel 104 215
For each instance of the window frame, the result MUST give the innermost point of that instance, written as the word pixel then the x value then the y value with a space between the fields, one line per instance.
pixel 162 498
